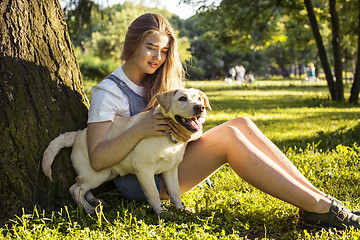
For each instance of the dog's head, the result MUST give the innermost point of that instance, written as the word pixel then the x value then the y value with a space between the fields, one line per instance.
pixel 187 108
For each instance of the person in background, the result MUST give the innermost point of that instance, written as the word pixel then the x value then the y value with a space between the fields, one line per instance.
pixel 232 73
pixel 240 73
pixel 311 72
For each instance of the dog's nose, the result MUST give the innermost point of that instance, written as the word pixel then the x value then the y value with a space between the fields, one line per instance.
pixel 198 108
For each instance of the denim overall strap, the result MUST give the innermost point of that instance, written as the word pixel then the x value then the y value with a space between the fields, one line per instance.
pixel 136 102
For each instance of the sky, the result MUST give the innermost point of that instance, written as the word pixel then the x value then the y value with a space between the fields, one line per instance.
pixel 184 11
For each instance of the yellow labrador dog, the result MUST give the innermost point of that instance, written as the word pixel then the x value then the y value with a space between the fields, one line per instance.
pixel 152 155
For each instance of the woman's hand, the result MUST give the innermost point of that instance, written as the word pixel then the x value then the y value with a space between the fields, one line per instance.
pixel 159 125
pixel 154 125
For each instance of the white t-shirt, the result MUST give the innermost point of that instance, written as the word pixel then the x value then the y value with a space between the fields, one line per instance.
pixel 107 100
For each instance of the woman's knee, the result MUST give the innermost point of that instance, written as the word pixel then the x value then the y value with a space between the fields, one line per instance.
pixel 222 136
pixel 230 132
pixel 242 122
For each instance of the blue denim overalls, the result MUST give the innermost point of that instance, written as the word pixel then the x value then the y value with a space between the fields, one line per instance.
pixel 128 185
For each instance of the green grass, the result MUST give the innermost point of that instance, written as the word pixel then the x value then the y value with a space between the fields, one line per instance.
pixel 320 136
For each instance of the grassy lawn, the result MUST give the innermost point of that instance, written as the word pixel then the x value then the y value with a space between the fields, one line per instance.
pixel 320 136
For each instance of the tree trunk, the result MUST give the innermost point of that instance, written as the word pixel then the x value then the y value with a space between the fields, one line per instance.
pixel 355 89
pixel 41 96
pixel 321 49
pixel 337 50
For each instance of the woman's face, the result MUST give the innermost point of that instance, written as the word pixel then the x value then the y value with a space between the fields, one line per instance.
pixel 152 53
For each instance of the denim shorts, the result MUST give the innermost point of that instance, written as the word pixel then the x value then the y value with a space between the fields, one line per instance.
pixel 130 188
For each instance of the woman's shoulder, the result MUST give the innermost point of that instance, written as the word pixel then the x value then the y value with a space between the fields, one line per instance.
pixel 108 86
pixel 105 83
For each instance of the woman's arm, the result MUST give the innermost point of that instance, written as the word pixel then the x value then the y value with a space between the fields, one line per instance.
pixel 104 153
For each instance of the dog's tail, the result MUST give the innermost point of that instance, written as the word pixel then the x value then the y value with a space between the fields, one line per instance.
pixel 62 141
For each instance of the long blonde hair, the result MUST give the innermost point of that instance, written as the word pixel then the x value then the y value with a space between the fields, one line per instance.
pixel 171 73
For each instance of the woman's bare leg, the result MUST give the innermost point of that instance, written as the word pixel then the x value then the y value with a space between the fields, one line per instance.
pixel 259 140
pixel 227 144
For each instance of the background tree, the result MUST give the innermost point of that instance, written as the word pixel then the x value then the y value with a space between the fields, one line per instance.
pixel 249 25
pixel 210 60
pixel 336 41
pixel 350 15
pixel 80 16
pixel 321 48
pixel 300 43
pixel 41 95
pixel 355 89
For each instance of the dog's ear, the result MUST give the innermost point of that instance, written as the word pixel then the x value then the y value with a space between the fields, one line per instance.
pixel 206 100
pixel 164 99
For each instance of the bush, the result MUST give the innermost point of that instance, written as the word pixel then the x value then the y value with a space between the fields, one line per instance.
pixel 93 68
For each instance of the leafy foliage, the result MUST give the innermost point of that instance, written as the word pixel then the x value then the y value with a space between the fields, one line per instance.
pixel 270 25
pixel 100 42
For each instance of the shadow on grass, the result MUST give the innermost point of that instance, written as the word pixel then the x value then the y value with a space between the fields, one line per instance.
pixel 325 141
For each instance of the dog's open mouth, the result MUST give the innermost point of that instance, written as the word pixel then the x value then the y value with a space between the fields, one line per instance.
pixel 192 124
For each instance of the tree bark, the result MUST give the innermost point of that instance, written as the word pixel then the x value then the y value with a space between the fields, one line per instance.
pixel 321 49
pixel 355 89
pixel 41 96
pixel 337 50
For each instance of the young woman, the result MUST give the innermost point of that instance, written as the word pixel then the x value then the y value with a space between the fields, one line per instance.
pixel 152 66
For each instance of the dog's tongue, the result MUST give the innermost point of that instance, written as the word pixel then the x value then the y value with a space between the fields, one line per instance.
pixel 195 123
